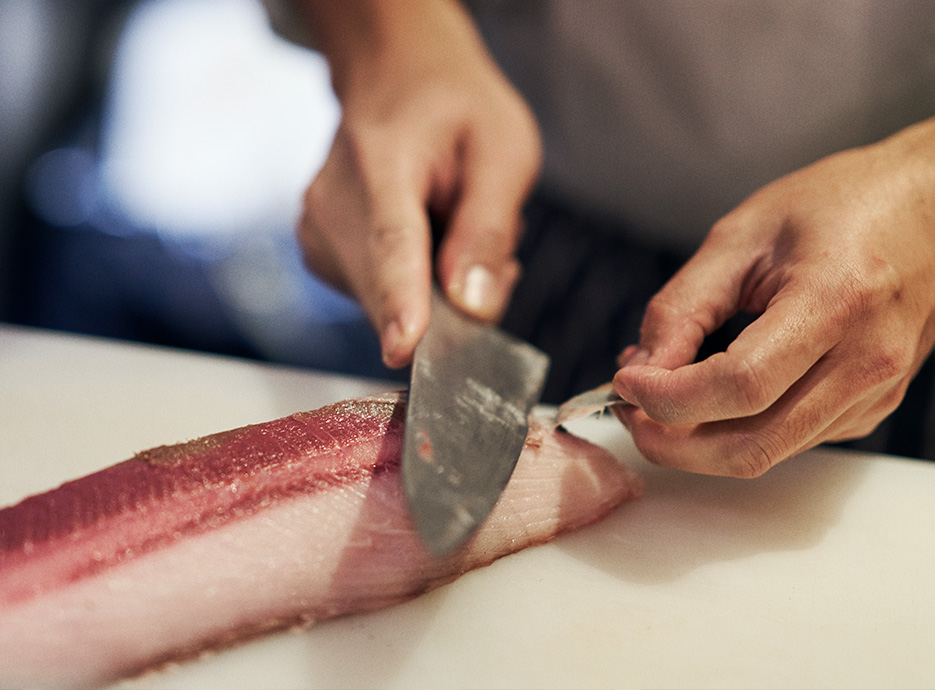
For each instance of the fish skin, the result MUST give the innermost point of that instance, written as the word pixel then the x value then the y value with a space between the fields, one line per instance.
pixel 199 545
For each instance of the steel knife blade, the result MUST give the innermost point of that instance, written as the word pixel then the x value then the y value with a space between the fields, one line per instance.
pixel 471 390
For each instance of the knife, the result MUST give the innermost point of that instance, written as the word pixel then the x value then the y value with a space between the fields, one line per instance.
pixel 471 390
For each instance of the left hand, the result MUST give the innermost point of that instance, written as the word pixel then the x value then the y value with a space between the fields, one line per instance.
pixel 838 260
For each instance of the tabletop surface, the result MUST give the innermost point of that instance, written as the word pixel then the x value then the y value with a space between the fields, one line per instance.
pixel 818 574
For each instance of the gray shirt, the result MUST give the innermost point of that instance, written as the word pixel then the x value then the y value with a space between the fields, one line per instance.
pixel 668 113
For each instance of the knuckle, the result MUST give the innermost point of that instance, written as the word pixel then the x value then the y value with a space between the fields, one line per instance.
pixel 322 265
pixel 868 422
pixel 520 141
pixel 528 147
pixel 314 205
pixel 368 154
pixel 870 283
pixel 863 428
pixel 308 232
pixel 321 262
pixel 511 108
pixel 359 148
pixel 386 236
pixel 888 362
pixel 756 453
pixel 890 400
pixel 728 226
pixel 749 384
pixel 858 428
pixel 316 233
pixel 310 228
pixel 677 305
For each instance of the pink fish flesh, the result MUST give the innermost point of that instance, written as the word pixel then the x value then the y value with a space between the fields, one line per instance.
pixel 189 547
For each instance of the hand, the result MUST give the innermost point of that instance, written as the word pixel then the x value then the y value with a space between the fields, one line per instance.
pixel 429 123
pixel 839 261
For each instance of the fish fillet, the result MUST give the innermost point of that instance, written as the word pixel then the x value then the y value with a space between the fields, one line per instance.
pixel 194 546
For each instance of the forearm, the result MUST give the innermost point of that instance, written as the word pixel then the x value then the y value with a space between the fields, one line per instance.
pixel 359 36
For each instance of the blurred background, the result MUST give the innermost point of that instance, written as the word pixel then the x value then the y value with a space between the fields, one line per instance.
pixel 153 156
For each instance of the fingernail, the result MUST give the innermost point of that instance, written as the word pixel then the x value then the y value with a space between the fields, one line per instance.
pixel 624 357
pixel 641 356
pixel 477 293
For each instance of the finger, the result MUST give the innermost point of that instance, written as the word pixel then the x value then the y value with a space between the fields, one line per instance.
pixel 765 360
pixel 397 292
pixel 476 263
pixel 365 230
pixel 693 304
pixel 820 407
pixel 632 354
pixel 393 277
pixel 716 448
pixel 861 420
pixel 735 448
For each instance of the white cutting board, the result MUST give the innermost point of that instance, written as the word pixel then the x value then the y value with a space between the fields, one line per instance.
pixel 816 575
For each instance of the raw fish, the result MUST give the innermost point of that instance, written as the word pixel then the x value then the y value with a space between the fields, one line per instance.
pixel 194 546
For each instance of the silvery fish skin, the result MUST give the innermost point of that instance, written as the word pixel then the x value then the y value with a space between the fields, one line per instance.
pixel 259 528
pixel 594 401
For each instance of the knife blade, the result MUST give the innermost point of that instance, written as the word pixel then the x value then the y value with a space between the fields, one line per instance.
pixel 471 390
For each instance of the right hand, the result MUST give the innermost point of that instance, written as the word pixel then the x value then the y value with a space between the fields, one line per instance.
pixel 429 123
